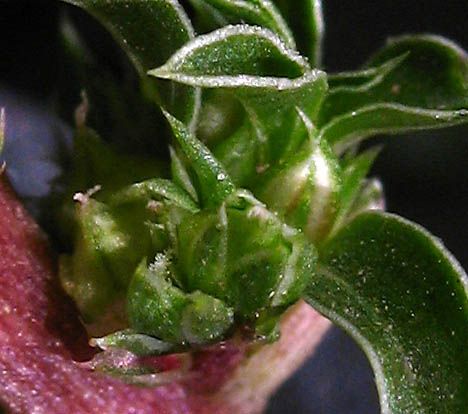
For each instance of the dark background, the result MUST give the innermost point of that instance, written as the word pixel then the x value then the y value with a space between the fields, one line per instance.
pixel 424 174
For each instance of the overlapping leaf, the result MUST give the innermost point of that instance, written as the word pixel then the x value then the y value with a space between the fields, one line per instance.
pixel 255 65
pixel 403 297
pixel 306 20
pixel 386 118
pixel 254 12
pixel 417 82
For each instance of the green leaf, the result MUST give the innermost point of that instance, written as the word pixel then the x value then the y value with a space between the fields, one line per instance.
pixel 352 186
pixel 95 275
pixel 180 175
pixel 253 12
pixel 351 90
pixel 385 118
pixel 267 77
pixel 243 254
pixel 139 344
pixel 239 154
pixel 403 297
pixel 158 308
pixel 306 20
pixel 356 81
pixel 427 72
pixel 370 197
pixel 155 189
pixel 206 319
pixel 154 304
pixel 310 182
pixel 150 31
pixel 245 50
pixel 214 182
pixel 434 74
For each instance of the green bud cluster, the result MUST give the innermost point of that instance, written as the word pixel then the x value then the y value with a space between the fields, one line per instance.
pixel 185 269
pixel 264 171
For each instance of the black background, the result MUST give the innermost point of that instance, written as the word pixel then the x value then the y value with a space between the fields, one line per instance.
pixel 424 174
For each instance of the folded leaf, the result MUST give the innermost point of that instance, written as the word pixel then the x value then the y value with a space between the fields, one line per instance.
pixel 158 308
pixel 403 297
pixel 306 20
pixel 150 31
pixel 370 197
pixel 237 50
pixel 420 72
pixel 433 75
pixel 254 64
pixel 254 12
pixel 351 90
pixel 360 80
pixel 386 118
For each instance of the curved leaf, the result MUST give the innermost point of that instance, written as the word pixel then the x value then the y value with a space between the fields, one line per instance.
pixel 306 20
pixel 386 118
pixel 403 297
pixel 433 75
pixel 150 31
pixel 427 72
pixel 255 12
pixel 251 51
pixel 255 65
pixel 360 79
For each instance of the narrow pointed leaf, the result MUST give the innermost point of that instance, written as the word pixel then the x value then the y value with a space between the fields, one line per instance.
pixel 254 12
pixel 352 184
pixel 386 118
pixel 363 79
pixel 180 176
pixel 433 75
pixel 403 297
pixel 306 20
pixel 215 185
pixel 150 31
pixel 427 72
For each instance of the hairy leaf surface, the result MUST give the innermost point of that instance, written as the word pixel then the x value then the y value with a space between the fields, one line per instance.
pixel 403 297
